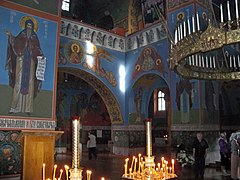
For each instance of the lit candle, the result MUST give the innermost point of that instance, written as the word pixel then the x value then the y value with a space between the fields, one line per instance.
pixel 44 166
pixel 229 12
pixel 236 4
pixel 61 171
pixel 130 171
pixel 221 12
pixel 126 164
pixel 189 28
pixel 170 170
pixel 162 161
pixel 89 174
pixel 158 166
pixel 139 163
pixel 135 166
pixel 102 178
pixel 198 25
pixel 125 169
pixel 193 24
pixel 132 162
pixel 173 166
pixel 66 170
pixel 54 171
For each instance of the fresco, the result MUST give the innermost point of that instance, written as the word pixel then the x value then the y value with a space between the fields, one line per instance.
pixel 172 4
pixel 41 5
pixel 27 64
pixel 153 11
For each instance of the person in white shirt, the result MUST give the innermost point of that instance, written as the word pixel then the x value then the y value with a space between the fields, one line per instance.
pixel 91 145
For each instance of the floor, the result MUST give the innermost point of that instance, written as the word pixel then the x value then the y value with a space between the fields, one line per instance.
pixel 111 168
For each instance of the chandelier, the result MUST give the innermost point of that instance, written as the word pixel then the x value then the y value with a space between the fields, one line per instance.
pixel 210 53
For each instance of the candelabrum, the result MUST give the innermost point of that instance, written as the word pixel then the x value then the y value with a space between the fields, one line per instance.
pixel 75 171
pixel 204 49
pixel 147 169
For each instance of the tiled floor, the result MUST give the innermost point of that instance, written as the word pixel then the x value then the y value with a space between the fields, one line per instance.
pixel 111 167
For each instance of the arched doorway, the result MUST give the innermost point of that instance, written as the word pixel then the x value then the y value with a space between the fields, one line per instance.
pixel 81 94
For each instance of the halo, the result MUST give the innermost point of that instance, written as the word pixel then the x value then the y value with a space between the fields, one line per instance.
pixel 72 47
pixel 25 18
pixel 179 16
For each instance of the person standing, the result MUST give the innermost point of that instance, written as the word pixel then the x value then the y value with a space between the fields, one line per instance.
pixel 224 152
pixel 91 145
pixel 200 147
pixel 235 150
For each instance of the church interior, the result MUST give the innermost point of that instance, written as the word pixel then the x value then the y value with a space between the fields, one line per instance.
pixel 115 66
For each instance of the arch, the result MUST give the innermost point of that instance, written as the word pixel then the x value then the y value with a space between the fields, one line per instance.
pixel 107 96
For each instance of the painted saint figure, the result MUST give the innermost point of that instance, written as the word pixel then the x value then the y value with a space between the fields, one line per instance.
pixel 138 103
pixel 21 63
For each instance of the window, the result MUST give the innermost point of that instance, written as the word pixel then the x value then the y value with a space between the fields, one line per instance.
pixel 161 101
pixel 65 5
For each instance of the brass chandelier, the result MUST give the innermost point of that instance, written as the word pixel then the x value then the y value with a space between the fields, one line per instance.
pixel 210 53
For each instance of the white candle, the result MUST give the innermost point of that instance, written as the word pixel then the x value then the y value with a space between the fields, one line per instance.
pixel 181 31
pixel 229 12
pixel 193 24
pixel 230 63
pixel 189 28
pixel 54 171
pixel 236 4
pixel 193 63
pixel 198 25
pixel 184 29
pixel 238 61
pixel 214 62
pixel 176 36
pixel 234 62
pixel 221 13
pixel 173 166
pixel 196 59
pixel 210 61
pixel 203 64
pixel 189 61
pixel 179 38
pixel 206 62
pixel 61 171
pixel 44 166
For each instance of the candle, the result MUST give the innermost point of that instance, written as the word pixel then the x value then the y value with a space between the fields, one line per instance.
pixel 102 178
pixel 162 161
pixel 189 60
pixel 199 58
pixel 170 170
pixel 221 13
pixel 206 62
pixel 238 61
pixel 61 171
pixel 229 12
pixel 196 59
pixel 54 171
pixel 236 4
pixel 175 36
pixel 184 29
pixel 230 63
pixel 139 163
pixel 44 166
pixel 126 164
pixel 210 61
pixel 189 28
pixel 203 64
pixel 132 162
pixel 198 25
pixel 66 170
pixel 181 31
pixel 125 169
pixel 89 174
pixel 214 62
pixel 158 166
pixel 234 62
pixel 130 171
pixel 193 63
pixel 179 37
pixel 193 24
pixel 135 166
pixel 173 166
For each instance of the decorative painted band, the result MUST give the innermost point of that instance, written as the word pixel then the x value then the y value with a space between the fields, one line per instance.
pixel 26 124
pixel 194 127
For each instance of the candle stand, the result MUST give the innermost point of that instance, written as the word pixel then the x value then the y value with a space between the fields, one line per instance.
pixel 147 169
